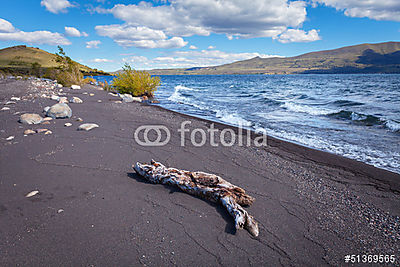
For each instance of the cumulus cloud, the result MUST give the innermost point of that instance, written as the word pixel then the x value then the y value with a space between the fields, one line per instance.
pixel 101 60
pixel 142 37
pixel 211 47
pixel 56 6
pixel 187 59
pixel 9 33
pixel 93 44
pixel 193 47
pixel 374 9
pixel 184 18
pixel 296 35
pixel 74 32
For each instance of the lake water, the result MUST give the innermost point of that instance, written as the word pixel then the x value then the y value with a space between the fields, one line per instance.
pixel 357 116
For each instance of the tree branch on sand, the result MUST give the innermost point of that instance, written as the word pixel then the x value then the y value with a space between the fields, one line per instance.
pixel 207 186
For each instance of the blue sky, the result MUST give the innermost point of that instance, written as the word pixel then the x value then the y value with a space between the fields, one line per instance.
pixel 185 33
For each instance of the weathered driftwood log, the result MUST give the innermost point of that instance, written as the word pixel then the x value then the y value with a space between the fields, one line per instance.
pixel 205 185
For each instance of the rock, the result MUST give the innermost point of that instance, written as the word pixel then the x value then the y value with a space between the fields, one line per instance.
pixel 46 109
pixel 79 119
pixel 84 93
pixel 59 111
pixel 75 87
pixel 29 132
pixel 76 100
pixel 91 94
pixel 145 97
pixel 33 193
pixel 60 210
pixel 155 102
pixel 63 100
pixel 59 85
pixel 41 130
pixel 68 124
pixel 113 94
pixel 30 118
pixel 15 98
pixel 55 97
pixel 45 122
pixel 48 118
pixel 87 126
pixel 118 101
pixel 127 98
pixel 99 101
pixel 10 138
pixel 5 108
pixel 9 103
pixel 48 132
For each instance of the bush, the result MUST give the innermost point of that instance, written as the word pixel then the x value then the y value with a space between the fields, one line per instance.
pixel 136 83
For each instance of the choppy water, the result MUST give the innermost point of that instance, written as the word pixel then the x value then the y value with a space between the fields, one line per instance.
pixel 357 116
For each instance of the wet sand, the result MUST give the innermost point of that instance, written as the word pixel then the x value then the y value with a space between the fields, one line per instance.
pixel 313 208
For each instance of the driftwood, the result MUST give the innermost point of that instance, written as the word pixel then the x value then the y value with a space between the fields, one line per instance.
pixel 204 185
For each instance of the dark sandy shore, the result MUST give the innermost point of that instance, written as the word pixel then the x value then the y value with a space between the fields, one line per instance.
pixel 313 208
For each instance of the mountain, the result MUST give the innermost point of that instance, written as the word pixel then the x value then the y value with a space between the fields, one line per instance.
pixel 363 58
pixel 19 59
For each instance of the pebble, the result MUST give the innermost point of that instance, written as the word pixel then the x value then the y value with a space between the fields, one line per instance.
pixel 46 109
pixel 45 122
pixel 33 193
pixel 60 210
pixel 41 130
pixel 55 97
pixel 68 124
pixel 79 119
pixel 87 126
pixel 47 119
pixel 15 98
pixel 10 138
pixel 9 103
pixel 29 132
pixel 63 100
pixel 84 93
pixel 76 100
pixel 99 101
pixel 48 132
pixel 5 108
pixel 75 87
pixel 91 94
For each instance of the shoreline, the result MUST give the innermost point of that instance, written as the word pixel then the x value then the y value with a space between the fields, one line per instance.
pixel 313 207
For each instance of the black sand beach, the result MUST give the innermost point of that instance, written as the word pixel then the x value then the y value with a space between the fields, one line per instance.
pixel 313 208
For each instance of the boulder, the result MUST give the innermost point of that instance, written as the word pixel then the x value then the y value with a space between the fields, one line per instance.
pixel 127 98
pixel 30 118
pixel 59 111
pixel 75 87
pixel 76 100
pixel 87 126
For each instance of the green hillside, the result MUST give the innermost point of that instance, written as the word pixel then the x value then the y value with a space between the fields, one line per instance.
pixel 19 59
pixel 364 58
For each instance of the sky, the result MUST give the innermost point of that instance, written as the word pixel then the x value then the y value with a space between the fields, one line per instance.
pixel 106 34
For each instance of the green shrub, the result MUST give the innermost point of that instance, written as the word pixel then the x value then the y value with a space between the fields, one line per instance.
pixel 136 83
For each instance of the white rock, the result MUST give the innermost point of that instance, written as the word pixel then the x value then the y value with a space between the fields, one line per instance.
pixel 5 108
pixel 75 87
pixel 87 126
pixel 99 101
pixel 48 132
pixel 9 103
pixel 59 111
pixel 68 124
pixel 33 193
pixel 76 100
pixel 10 138
pixel 30 118
pixel 14 98
pixel 127 98
pixel 55 97
pixel 84 93
pixel 60 210
pixel 59 85
pixel 113 94
pixel 91 94
pixel 29 132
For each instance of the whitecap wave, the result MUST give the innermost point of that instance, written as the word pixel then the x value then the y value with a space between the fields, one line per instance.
pixel 179 98
pixel 232 118
pixel 392 126
pixel 307 109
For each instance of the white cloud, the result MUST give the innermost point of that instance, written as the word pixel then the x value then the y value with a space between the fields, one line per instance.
pixel 9 33
pixel 101 60
pixel 93 44
pixel 211 47
pixel 193 47
pixel 242 18
pixel 296 35
pixel 142 37
pixel 374 9
pixel 188 59
pixel 74 32
pixel 56 6
pixel 6 26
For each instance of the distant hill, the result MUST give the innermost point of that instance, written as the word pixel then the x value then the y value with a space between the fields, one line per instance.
pixel 20 59
pixel 364 58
